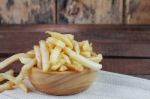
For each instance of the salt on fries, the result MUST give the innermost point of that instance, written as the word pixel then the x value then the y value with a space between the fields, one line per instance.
pixel 58 53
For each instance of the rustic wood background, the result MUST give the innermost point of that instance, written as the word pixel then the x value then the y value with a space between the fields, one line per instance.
pixel 74 12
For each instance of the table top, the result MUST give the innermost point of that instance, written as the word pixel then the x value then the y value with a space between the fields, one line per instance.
pixel 107 86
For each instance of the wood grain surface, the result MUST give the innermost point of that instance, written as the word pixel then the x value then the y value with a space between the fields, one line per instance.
pixel 89 11
pixel 61 83
pixel 27 11
pixel 137 12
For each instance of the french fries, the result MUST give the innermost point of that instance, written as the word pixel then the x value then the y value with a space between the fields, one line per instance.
pixel 38 56
pixel 6 86
pixel 82 60
pixel 58 53
pixel 24 71
pixel 13 79
pixel 55 55
pixel 10 72
pixel 12 59
pixel 45 55
pixel 61 37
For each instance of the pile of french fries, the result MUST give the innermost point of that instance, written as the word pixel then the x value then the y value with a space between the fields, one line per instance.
pixel 59 53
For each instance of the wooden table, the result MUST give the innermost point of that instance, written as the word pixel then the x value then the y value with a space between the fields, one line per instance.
pixel 126 48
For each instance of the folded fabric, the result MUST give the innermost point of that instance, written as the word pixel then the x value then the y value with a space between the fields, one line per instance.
pixel 107 86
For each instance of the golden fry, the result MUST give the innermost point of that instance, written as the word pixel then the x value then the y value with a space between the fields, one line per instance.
pixel 56 42
pixel 97 58
pixel 13 79
pixel 78 68
pixel 70 37
pixel 10 72
pixel 24 71
pixel 25 60
pixel 86 54
pixel 61 37
pixel 45 56
pixel 76 47
pixel 6 86
pixel 82 60
pixel 66 58
pixel 12 59
pixel 63 68
pixel 31 53
pixel 38 56
pixel 55 55
pixel 86 46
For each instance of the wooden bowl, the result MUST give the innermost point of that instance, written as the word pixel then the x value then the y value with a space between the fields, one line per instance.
pixel 61 83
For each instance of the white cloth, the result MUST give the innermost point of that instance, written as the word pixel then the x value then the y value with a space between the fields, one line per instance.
pixel 107 86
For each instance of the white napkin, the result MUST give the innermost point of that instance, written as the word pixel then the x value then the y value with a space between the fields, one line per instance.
pixel 107 86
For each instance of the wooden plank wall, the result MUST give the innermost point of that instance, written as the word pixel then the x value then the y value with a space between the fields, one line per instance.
pixel 74 12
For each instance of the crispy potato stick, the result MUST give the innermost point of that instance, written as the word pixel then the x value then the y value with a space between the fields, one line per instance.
pixel 24 71
pixel 58 64
pixel 82 60
pixel 50 46
pixel 10 72
pixel 70 37
pixel 25 60
pixel 12 59
pixel 56 42
pixel 86 54
pixel 63 68
pixel 93 53
pixel 76 47
pixel 61 37
pixel 12 79
pixel 97 58
pixel 86 46
pixel 66 58
pixel 45 56
pixel 38 56
pixel 55 55
pixel 31 53
pixel 78 68
pixel 76 63
pixel 6 86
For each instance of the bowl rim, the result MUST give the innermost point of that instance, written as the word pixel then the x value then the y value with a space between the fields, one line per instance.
pixel 65 72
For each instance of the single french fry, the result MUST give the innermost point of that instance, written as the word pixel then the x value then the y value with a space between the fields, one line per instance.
pixel 70 37
pixel 38 56
pixel 78 68
pixel 25 60
pixel 93 53
pixel 45 56
pixel 61 37
pixel 55 55
pixel 31 53
pixel 86 54
pixel 13 79
pixel 86 46
pixel 50 46
pixel 82 60
pixel 66 58
pixel 12 59
pixel 24 71
pixel 76 63
pixel 97 58
pixel 76 47
pixel 6 86
pixel 58 64
pixel 10 72
pixel 56 42
pixel 63 68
